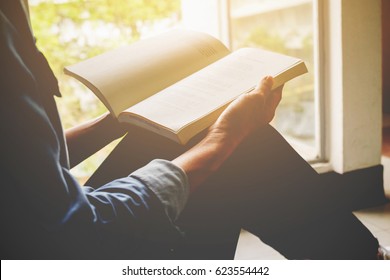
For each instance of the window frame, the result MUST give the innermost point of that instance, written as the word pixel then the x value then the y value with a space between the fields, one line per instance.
pixel 352 83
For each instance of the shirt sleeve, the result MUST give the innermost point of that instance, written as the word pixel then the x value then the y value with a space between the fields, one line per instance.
pixel 168 182
pixel 160 179
pixel 140 209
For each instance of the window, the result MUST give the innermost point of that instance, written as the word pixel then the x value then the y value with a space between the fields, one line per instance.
pixel 332 98
pixel 69 31
pixel 285 26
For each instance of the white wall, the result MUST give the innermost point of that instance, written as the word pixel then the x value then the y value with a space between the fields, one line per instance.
pixel 352 84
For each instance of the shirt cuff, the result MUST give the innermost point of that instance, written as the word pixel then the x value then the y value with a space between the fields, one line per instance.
pixel 168 182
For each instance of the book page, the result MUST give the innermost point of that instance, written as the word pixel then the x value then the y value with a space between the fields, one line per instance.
pixel 132 73
pixel 211 88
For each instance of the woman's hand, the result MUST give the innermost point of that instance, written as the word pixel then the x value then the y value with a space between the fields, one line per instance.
pixel 239 120
pixel 248 112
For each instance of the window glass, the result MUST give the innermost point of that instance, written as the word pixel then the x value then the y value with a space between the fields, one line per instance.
pixel 284 26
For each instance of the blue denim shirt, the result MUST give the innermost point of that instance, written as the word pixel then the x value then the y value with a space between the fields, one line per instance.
pixel 45 213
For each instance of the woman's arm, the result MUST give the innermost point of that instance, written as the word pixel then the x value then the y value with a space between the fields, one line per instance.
pixel 87 138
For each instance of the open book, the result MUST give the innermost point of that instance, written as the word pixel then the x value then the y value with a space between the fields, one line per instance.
pixel 178 83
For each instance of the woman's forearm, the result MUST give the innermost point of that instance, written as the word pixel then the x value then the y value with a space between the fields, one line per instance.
pixel 205 158
pixel 88 138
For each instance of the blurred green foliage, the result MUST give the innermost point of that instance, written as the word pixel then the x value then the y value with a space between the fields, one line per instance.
pixel 301 88
pixel 70 31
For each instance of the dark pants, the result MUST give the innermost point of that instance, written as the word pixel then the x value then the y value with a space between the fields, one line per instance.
pixel 265 187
